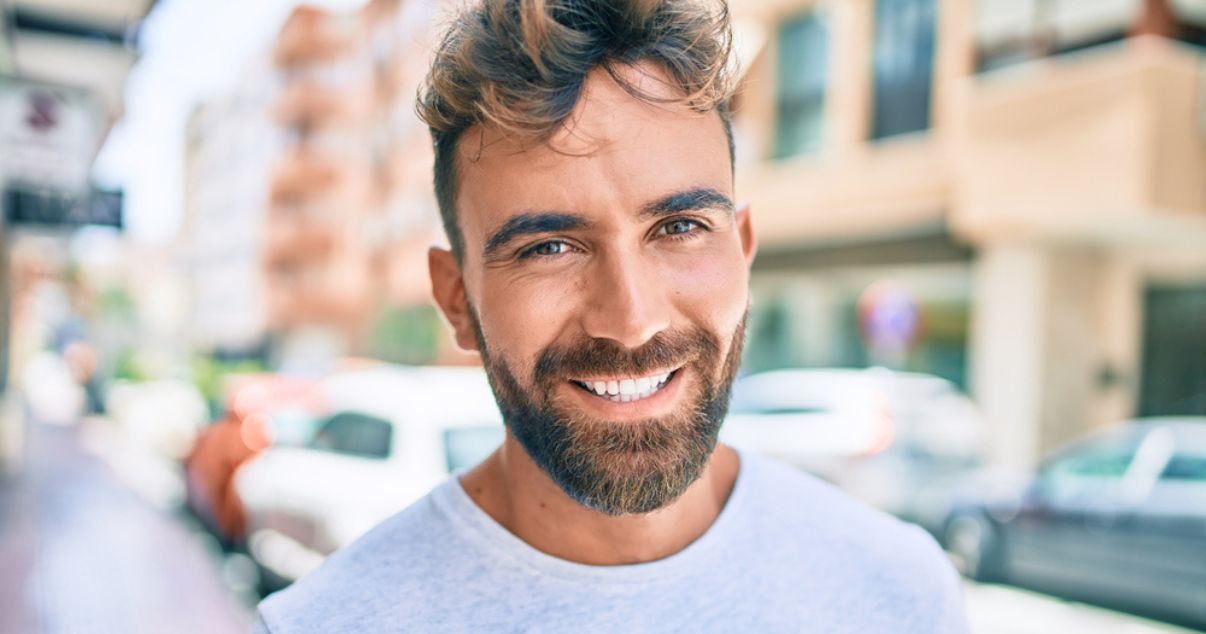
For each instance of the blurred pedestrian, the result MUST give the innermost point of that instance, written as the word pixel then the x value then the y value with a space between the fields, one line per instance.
pixel 600 266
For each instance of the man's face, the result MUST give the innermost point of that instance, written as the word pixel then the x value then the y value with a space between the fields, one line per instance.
pixel 605 279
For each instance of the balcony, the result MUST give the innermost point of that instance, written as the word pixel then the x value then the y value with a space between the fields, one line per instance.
pixel 1104 146
pixel 308 175
pixel 312 34
pixel 314 101
pixel 300 233
pixel 339 291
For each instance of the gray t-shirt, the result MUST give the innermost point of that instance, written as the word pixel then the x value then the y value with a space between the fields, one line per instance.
pixel 788 553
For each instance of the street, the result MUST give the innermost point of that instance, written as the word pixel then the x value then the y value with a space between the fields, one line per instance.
pixel 996 609
pixel 81 552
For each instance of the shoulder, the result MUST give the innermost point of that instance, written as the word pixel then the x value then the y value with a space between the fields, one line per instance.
pixel 802 502
pixel 862 555
pixel 376 578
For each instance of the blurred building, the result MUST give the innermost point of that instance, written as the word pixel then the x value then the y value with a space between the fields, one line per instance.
pixel 1029 175
pixel 319 257
pixel 340 227
pixel 231 149
pixel 351 215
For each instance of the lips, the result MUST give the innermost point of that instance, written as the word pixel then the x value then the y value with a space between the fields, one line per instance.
pixel 625 389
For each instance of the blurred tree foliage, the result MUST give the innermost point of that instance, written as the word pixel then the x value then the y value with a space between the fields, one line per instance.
pixel 128 368
pixel 116 302
pixel 209 375
pixel 408 335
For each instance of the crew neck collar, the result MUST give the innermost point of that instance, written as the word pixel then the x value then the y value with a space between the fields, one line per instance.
pixel 496 539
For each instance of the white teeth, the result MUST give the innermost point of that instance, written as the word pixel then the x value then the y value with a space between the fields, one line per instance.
pixel 628 390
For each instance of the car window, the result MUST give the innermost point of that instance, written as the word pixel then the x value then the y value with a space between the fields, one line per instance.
pixel 466 446
pixel 355 434
pixel 1185 468
pixel 1098 462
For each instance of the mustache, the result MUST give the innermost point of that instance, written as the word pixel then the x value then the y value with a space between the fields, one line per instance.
pixel 591 357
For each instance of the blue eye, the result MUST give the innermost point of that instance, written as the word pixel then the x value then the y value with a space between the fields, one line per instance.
pixel 545 249
pixel 678 227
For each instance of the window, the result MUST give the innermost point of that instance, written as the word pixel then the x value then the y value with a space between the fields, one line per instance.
pixel 904 64
pixel 1185 468
pixel 800 110
pixel 1099 462
pixel 355 434
pixel 1174 352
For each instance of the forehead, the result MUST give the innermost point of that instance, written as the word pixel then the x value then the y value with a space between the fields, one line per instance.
pixel 615 154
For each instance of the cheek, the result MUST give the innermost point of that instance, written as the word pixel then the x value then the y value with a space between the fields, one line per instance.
pixel 712 287
pixel 524 315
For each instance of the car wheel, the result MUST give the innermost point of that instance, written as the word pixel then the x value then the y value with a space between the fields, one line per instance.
pixel 975 546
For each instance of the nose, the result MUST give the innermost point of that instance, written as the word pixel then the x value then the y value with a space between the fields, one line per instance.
pixel 628 302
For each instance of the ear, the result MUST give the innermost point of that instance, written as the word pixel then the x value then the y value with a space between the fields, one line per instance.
pixel 745 228
pixel 448 289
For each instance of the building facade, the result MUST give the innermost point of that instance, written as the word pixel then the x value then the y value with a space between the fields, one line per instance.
pixel 231 149
pixel 351 214
pixel 1030 174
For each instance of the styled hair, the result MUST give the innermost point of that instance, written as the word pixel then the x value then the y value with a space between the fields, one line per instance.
pixel 520 66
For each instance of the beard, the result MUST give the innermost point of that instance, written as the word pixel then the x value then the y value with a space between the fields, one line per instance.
pixel 619 468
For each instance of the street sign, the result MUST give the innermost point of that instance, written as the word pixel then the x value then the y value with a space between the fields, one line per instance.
pixel 49 135
pixel 890 319
pixel 51 208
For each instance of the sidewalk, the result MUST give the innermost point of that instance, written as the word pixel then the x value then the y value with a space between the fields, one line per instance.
pixel 80 552
pixel 998 609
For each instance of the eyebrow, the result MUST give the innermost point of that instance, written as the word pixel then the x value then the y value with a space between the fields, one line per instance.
pixel 688 200
pixel 533 223
pixel 529 224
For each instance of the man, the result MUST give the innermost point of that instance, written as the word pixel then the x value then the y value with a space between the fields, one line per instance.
pixel 600 266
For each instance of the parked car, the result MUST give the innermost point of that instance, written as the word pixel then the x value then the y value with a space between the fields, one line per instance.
pixel 1117 519
pixel 881 435
pixel 394 434
pixel 807 416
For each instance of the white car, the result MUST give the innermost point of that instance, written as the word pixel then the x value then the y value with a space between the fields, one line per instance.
pixel 396 432
pixel 808 417
pixel 878 434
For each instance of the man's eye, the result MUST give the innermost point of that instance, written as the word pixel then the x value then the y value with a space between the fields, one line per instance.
pixel 552 247
pixel 678 227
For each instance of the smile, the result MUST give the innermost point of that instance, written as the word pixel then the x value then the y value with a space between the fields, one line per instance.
pixel 628 389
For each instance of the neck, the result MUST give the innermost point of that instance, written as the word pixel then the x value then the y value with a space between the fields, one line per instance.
pixel 517 494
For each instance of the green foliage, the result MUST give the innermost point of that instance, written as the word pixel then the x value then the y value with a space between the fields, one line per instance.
pixel 209 376
pixel 115 302
pixel 407 335
pixel 129 368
